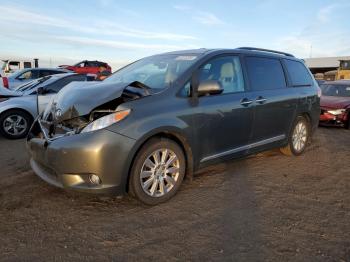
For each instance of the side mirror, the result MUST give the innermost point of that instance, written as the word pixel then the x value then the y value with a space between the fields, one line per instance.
pixel 41 91
pixel 209 87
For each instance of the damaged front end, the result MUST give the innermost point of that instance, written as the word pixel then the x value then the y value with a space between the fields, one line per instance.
pixel 81 109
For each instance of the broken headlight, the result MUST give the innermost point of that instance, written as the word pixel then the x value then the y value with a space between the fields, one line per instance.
pixel 106 121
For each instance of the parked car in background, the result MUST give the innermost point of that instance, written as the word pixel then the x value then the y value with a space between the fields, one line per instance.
pixel 319 81
pixel 335 103
pixel 10 66
pixel 18 108
pixel 29 74
pixel 88 67
pixel 142 130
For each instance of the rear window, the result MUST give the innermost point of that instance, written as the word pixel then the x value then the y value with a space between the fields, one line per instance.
pixel 265 73
pixel 298 73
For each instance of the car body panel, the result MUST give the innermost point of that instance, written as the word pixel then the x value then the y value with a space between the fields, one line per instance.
pixel 335 102
pixel 26 103
pixel 62 160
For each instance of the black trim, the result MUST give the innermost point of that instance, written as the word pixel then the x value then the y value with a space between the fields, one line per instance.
pixel 265 50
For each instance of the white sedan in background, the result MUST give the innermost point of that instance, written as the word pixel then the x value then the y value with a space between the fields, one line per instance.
pixel 26 75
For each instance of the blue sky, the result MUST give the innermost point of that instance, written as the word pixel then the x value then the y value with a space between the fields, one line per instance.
pixel 119 32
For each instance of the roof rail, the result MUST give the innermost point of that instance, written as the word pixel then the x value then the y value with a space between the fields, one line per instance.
pixel 265 50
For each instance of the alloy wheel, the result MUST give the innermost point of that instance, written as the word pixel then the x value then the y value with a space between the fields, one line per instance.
pixel 15 125
pixel 299 137
pixel 159 172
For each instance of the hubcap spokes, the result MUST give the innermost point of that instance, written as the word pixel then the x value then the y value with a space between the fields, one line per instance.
pixel 15 125
pixel 159 172
pixel 299 137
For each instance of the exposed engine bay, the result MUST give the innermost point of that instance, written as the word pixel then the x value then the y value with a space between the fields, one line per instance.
pixel 63 117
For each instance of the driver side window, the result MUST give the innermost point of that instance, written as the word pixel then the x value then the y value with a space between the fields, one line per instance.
pixel 226 70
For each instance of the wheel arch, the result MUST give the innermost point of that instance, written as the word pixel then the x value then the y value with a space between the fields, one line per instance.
pixel 18 109
pixel 173 135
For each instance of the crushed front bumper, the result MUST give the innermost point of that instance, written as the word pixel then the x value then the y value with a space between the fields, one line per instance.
pixel 329 119
pixel 69 161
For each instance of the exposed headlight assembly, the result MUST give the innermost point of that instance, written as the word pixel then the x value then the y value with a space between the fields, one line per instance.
pixel 106 121
pixel 336 111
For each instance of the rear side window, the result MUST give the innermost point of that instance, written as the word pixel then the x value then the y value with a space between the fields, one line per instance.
pixel 265 73
pixel 298 73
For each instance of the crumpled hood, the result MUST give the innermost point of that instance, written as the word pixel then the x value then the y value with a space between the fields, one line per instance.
pixel 80 98
pixel 335 102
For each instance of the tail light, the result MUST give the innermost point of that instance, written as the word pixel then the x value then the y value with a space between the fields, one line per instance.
pixel 5 82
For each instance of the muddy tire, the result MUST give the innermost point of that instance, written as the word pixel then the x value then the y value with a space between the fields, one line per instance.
pixel 157 172
pixel 298 137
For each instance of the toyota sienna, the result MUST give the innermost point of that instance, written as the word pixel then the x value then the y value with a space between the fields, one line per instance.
pixel 159 119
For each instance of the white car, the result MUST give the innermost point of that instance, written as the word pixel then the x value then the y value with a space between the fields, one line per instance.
pixel 26 75
pixel 18 108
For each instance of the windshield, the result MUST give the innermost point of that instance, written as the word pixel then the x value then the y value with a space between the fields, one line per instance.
pixel 335 90
pixel 156 72
pixel 32 84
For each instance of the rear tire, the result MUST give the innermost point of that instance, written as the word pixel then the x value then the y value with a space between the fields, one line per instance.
pixel 157 172
pixel 15 124
pixel 298 138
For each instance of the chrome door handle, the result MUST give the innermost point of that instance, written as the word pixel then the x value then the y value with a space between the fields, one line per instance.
pixel 246 102
pixel 261 100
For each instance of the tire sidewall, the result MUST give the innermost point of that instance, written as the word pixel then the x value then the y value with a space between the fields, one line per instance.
pixel 308 130
pixel 5 115
pixel 146 150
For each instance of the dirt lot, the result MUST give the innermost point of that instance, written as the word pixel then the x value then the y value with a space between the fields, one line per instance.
pixel 267 207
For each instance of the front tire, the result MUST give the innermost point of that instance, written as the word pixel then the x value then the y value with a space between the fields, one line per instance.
pixel 298 138
pixel 157 172
pixel 15 124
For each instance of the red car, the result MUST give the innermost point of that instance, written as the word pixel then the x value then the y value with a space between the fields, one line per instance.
pixel 88 67
pixel 335 103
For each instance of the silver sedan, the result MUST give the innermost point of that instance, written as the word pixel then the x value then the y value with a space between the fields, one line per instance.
pixel 19 108
pixel 26 75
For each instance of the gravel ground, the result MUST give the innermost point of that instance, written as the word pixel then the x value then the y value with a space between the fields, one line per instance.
pixel 268 207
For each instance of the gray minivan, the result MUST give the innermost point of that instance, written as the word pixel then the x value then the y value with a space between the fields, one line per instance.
pixel 159 119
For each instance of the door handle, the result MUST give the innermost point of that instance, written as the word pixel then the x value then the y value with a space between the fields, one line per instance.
pixel 246 102
pixel 260 100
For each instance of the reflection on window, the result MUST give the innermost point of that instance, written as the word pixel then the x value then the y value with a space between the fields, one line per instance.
pixel 227 71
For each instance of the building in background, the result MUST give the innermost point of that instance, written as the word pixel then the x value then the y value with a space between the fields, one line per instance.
pixel 325 67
